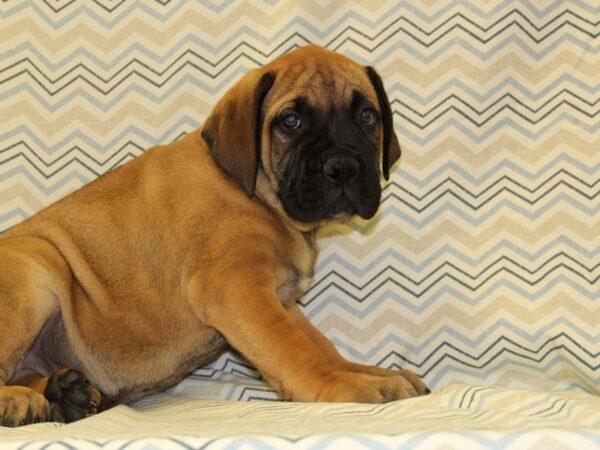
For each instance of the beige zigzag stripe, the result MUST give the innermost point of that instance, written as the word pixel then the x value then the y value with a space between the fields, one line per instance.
pixel 452 148
pixel 482 72
pixel 479 237
pixel 470 317
pixel 106 124
pixel 24 194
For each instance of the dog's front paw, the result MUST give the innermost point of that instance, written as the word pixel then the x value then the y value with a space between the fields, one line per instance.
pixel 412 377
pixel 71 396
pixel 364 388
pixel 21 405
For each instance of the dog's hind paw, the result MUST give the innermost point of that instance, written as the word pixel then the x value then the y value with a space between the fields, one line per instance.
pixel 71 396
pixel 21 405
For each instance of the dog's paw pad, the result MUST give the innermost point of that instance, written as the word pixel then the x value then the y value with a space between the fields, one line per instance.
pixel 72 396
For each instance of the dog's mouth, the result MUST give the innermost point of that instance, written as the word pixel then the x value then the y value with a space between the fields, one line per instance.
pixel 297 207
pixel 339 190
pixel 343 207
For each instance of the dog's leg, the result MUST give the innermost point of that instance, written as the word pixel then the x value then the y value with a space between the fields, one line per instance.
pixel 254 322
pixel 336 360
pixel 32 277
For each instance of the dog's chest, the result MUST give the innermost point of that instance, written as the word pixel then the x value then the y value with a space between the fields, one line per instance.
pixel 296 272
pixel 293 288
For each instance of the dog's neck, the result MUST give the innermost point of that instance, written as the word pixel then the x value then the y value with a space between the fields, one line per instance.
pixel 304 235
pixel 266 193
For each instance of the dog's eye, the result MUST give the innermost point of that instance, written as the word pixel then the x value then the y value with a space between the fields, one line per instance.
pixel 291 121
pixel 367 117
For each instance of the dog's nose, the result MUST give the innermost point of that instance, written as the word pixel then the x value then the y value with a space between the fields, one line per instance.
pixel 341 169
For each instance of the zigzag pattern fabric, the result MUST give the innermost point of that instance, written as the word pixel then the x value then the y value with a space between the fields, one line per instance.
pixel 456 418
pixel 483 264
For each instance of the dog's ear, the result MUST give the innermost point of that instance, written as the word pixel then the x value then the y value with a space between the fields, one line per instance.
pixel 391 147
pixel 233 130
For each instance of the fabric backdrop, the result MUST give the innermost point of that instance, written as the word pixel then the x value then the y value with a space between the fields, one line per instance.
pixel 482 265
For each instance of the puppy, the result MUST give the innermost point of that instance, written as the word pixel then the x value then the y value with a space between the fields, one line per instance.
pixel 132 282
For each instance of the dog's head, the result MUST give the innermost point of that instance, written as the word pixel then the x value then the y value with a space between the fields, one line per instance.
pixel 317 124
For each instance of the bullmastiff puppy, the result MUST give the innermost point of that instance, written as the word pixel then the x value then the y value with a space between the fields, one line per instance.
pixel 129 284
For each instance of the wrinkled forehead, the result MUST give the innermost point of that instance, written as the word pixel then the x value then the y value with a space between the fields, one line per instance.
pixel 323 83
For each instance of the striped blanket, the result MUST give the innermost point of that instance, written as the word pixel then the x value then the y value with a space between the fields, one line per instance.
pixel 481 268
pixel 458 417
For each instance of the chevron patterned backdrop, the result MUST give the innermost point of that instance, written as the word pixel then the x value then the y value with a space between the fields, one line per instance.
pixel 482 266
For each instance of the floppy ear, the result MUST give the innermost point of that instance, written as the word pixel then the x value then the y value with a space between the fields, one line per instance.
pixel 391 147
pixel 233 130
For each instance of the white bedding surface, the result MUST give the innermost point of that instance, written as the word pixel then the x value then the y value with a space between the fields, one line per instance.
pixel 457 417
